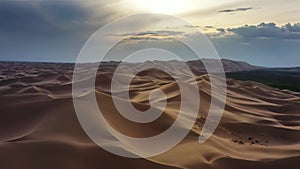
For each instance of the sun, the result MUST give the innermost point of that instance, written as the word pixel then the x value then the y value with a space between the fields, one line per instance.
pixel 162 6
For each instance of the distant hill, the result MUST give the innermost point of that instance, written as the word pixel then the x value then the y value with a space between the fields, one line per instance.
pixel 228 65
pixel 195 65
pixel 282 78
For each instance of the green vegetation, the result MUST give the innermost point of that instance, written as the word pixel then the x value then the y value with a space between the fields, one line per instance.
pixel 281 78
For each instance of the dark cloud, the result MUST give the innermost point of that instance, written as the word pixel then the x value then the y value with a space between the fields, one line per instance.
pixel 148 38
pixel 53 18
pixel 192 26
pixel 43 17
pixel 235 10
pixel 209 27
pixel 161 35
pixel 293 28
pixel 222 30
pixel 268 30
pixel 48 30
pixel 152 33
pixel 264 44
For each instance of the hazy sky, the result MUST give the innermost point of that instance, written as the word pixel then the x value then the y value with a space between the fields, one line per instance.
pixel 261 32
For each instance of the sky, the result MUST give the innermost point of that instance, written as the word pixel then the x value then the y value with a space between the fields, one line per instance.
pixel 260 32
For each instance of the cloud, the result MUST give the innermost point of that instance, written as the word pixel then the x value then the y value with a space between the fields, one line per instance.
pixel 246 32
pixel 161 33
pixel 39 17
pixel 209 27
pixel 268 30
pixel 49 30
pixel 222 30
pixel 293 28
pixel 192 26
pixel 51 18
pixel 151 35
pixel 266 44
pixel 235 10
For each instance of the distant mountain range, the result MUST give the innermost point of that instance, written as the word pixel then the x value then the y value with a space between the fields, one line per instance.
pixel 195 65
pixel 228 65
pixel 282 78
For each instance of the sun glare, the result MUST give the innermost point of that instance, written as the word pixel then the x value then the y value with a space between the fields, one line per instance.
pixel 162 6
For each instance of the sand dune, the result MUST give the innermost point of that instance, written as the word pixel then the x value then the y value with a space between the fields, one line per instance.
pixel 260 127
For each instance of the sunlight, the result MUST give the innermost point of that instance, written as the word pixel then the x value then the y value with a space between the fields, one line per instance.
pixel 163 6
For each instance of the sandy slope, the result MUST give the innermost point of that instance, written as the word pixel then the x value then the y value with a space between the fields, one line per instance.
pixel 39 129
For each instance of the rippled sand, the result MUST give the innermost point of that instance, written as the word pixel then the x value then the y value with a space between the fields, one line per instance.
pixel 260 127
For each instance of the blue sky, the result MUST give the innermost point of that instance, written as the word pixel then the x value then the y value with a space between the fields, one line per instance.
pixel 261 32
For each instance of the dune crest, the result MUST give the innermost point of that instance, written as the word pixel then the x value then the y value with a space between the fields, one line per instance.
pixel 260 127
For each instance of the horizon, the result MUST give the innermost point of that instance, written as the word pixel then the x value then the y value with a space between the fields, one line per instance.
pixel 137 62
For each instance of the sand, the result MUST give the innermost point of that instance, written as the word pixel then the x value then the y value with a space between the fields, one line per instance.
pixel 260 127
